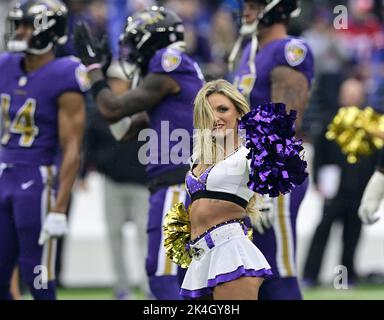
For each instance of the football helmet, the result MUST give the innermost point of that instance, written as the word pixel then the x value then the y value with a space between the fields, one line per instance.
pixel 148 31
pixel 274 11
pixel 48 19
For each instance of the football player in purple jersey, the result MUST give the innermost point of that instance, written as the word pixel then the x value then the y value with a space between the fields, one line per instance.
pixel 42 120
pixel 152 43
pixel 276 67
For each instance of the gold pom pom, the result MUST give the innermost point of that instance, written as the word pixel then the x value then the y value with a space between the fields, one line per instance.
pixel 351 129
pixel 177 233
pixel 250 233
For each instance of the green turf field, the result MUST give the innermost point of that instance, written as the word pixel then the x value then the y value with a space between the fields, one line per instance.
pixel 321 293
pixel 356 293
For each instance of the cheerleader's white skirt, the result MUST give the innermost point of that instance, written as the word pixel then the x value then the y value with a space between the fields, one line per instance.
pixel 222 254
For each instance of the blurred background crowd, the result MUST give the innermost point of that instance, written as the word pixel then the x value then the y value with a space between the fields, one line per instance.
pixel 349 70
pixel 212 27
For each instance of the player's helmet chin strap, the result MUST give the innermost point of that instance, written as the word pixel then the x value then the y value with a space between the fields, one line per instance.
pixel 247 29
pixel 62 40
pixel 40 51
pixel 131 72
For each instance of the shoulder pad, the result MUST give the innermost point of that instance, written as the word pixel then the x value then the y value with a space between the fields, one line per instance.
pixel 295 52
pixel 170 60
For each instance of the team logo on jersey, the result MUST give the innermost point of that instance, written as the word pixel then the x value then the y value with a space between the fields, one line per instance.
pixel 82 78
pixel 295 52
pixel 245 83
pixel 170 60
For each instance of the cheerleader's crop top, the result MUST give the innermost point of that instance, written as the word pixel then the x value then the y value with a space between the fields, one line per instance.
pixel 226 180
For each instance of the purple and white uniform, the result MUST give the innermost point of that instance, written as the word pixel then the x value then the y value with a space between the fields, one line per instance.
pixel 278 243
pixel 223 253
pixel 173 115
pixel 28 154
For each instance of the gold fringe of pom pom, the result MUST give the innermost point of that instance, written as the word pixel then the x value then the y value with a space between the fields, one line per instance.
pixel 250 233
pixel 177 233
pixel 353 130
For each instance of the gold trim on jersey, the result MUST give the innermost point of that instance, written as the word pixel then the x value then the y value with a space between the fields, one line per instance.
pixel 285 260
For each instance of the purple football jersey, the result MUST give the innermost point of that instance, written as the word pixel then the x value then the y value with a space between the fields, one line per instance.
pixel 29 107
pixel 173 112
pixel 292 52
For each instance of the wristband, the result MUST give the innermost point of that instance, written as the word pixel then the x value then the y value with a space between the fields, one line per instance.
pixel 93 66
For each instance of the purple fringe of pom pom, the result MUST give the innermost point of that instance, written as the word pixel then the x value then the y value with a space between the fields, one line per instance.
pixel 276 164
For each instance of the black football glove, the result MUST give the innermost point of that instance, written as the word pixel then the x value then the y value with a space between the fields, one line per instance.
pixel 89 49
pixel 104 51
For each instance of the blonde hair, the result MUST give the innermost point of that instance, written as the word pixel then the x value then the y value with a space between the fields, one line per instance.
pixel 205 149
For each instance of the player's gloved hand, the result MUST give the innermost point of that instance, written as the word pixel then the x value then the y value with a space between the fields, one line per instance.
pixel 267 214
pixel 90 50
pixel 105 54
pixel 55 225
pixel 370 202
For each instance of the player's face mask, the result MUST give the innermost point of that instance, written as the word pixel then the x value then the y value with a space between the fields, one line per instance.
pixel 267 13
pixel 23 32
pixel 251 12
pixel 128 57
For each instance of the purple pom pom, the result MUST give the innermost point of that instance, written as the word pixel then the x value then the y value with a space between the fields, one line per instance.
pixel 276 164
